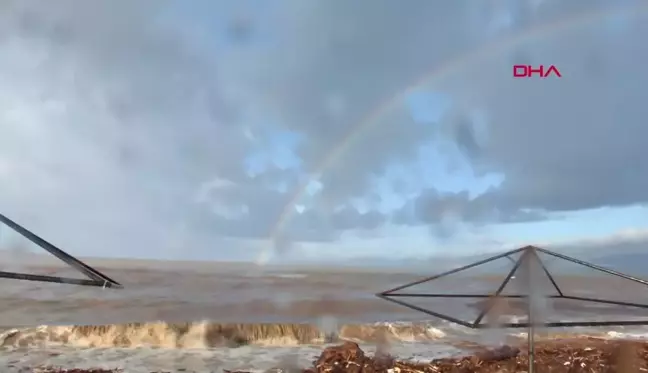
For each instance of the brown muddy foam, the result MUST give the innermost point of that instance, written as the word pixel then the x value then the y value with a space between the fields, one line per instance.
pixel 207 334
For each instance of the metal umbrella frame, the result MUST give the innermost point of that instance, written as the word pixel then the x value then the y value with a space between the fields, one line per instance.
pixel 527 254
pixel 94 277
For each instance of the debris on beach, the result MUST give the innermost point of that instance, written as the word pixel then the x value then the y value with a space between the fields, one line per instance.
pixel 577 355
pixel 586 355
pixel 75 370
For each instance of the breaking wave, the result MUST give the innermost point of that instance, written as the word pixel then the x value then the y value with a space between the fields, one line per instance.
pixel 206 334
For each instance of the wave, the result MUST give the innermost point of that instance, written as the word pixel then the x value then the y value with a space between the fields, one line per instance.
pixel 206 334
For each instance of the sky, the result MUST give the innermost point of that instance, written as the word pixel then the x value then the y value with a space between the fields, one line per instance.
pixel 311 130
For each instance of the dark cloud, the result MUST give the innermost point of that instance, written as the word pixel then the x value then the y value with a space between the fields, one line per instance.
pixel 572 143
pixel 358 54
pixel 440 209
pixel 109 122
pixel 552 139
pixel 114 118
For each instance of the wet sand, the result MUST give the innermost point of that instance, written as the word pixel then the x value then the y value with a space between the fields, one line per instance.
pixel 575 355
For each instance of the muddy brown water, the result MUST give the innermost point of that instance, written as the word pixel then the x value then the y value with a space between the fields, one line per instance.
pixel 193 315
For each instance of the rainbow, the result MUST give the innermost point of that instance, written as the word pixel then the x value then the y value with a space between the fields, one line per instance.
pixel 441 72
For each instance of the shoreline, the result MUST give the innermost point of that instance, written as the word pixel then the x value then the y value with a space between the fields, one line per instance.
pixel 566 355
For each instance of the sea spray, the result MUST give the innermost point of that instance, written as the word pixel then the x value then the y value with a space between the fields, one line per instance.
pixel 329 326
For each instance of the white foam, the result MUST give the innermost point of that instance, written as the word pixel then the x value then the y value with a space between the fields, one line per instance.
pixel 289 275
pixel 248 358
pixel 625 335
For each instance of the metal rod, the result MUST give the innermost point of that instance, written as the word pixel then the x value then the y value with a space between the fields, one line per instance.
pixel 606 301
pixel 431 313
pixel 569 324
pixel 594 266
pixel 518 296
pixel 490 305
pixel 62 255
pixel 530 308
pixel 58 280
pixel 515 325
pixel 391 294
pixel 417 282
pixel 531 341
pixel 546 271
pixel 423 295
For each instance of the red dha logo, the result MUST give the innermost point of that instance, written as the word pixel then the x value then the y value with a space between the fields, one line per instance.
pixel 527 71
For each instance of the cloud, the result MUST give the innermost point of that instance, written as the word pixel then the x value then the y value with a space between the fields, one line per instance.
pixel 334 63
pixel 110 121
pixel 432 207
pixel 563 145
pixel 566 144
pixel 127 125
pixel 624 241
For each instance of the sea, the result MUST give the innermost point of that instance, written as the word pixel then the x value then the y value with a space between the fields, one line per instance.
pixel 211 316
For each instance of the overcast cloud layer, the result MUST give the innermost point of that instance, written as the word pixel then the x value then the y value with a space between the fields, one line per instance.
pixel 127 126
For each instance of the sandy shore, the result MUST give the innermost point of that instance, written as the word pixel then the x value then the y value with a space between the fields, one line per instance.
pixel 591 355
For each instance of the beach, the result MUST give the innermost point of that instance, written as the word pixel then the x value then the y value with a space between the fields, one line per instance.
pixel 203 318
